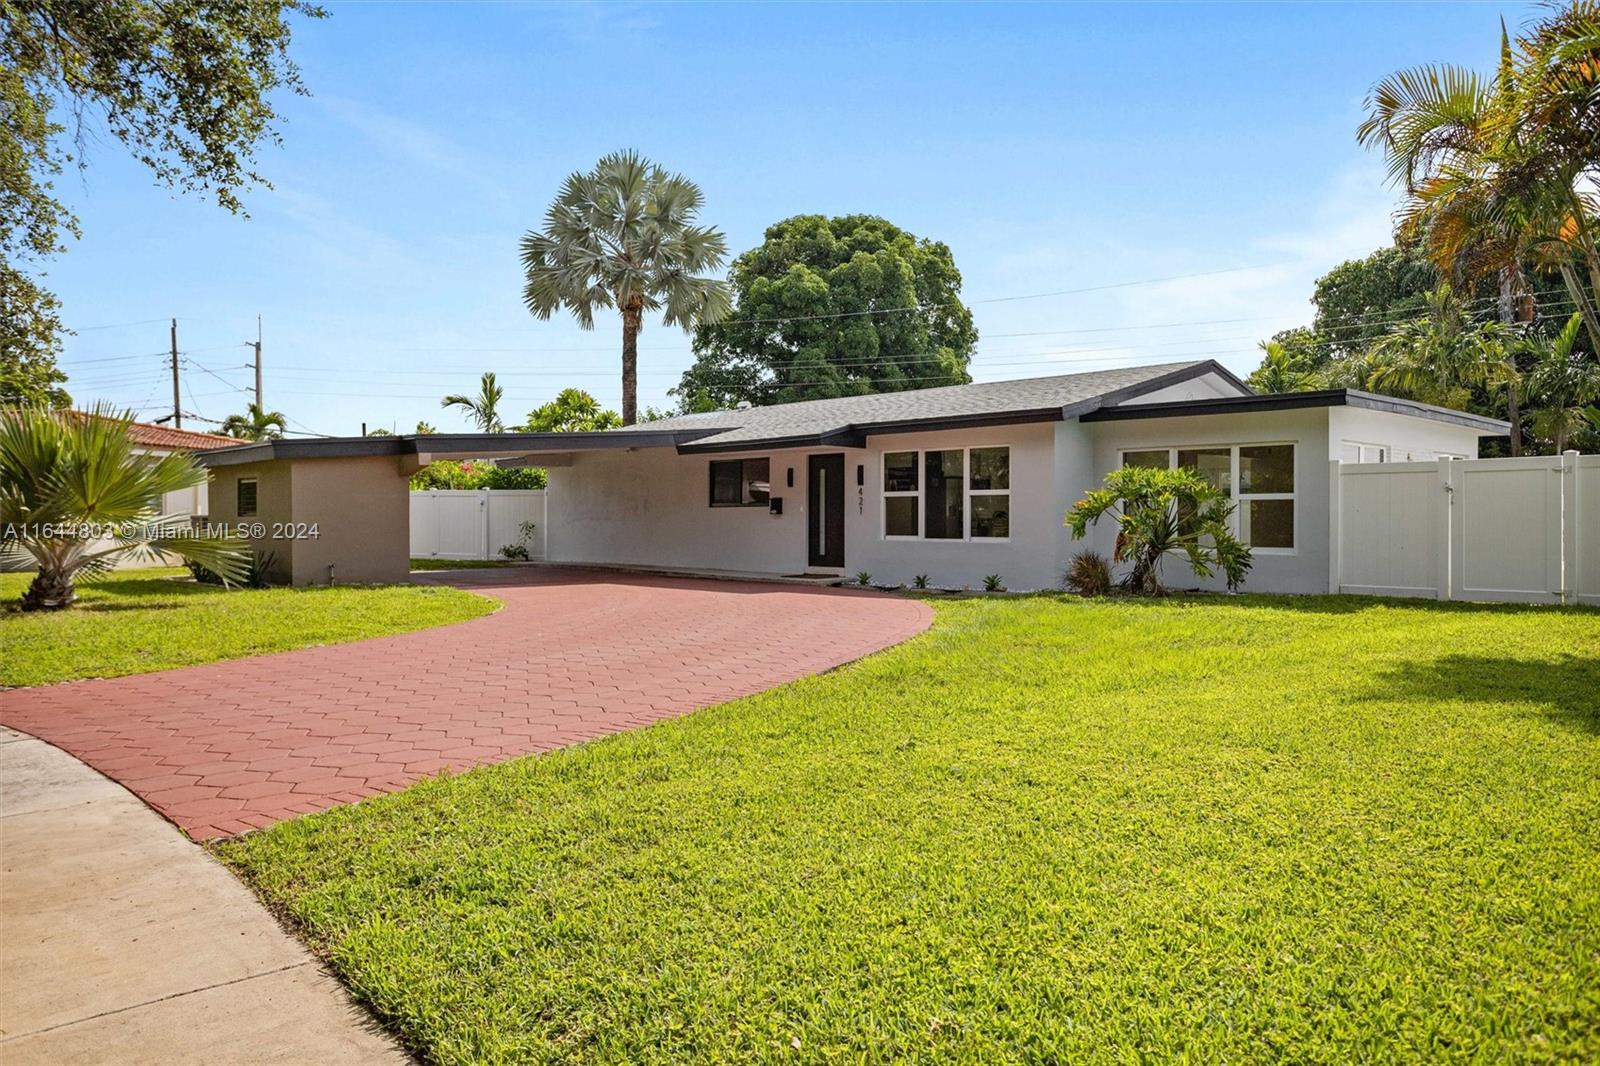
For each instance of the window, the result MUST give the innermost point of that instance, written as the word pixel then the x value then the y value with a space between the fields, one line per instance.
pixel 947 494
pixel 991 493
pixel 246 497
pixel 900 494
pixel 943 513
pixel 741 483
pixel 1352 451
pixel 1258 477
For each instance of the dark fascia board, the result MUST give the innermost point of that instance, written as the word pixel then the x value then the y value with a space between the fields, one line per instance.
pixel 1290 401
pixel 446 444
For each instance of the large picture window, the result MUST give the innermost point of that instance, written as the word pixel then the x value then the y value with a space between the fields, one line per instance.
pixel 741 483
pixel 1258 477
pixel 947 494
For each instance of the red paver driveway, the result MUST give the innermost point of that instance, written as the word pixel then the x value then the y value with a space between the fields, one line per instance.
pixel 572 655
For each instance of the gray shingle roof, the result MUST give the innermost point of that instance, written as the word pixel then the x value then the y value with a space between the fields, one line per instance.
pixel 1062 396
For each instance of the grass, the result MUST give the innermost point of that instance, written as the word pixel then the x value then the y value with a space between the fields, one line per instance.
pixel 136 621
pixel 1050 830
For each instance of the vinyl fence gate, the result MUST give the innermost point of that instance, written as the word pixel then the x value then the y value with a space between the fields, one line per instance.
pixel 475 524
pixel 1524 530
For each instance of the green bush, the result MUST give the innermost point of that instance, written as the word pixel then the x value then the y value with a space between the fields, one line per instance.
pixel 1088 574
pixel 476 474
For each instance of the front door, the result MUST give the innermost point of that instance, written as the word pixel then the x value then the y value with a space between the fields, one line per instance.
pixel 826 521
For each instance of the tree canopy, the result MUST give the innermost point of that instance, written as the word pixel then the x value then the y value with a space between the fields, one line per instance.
pixel 185 85
pixel 830 307
pixel 572 411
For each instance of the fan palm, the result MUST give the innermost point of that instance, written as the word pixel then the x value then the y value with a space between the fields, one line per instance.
pixel 1562 384
pixel 482 409
pixel 256 424
pixel 1498 173
pixel 77 498
pixel 624 236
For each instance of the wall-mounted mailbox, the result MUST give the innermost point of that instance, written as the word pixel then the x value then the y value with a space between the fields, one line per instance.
pixel 775 505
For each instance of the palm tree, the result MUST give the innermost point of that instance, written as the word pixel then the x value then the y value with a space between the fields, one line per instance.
pixel 425 428
pixel 1280 371
pixel 1436 357
pixel 623 236
pixel 1497 173
pixel 76 498
pixel 256 424
pixel 482 408
pixel 1562 384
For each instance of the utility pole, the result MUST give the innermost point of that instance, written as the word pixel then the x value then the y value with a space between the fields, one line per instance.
pixel 177 409
pixel 258 363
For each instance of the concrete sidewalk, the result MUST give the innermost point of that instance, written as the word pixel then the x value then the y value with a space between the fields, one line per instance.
pixel 125 943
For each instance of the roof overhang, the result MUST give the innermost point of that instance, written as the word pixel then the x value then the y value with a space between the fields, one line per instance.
pixel 448 446
pixel 1290 401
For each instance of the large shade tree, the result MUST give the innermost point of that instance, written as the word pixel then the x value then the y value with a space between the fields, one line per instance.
pixel 625 236
pixel 187 89
pixel 76 497
pixel 834 307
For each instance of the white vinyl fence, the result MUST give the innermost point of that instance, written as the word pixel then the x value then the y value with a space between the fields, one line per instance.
pixel 475 524
pixel 1525 530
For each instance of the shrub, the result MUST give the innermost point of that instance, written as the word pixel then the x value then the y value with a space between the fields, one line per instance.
pixel 255 574
pixel 863 578
pixel 992 583
pixel 1088 574
pixel 1161 511
pixel 476 474
pixel 514 551
pixel 920 581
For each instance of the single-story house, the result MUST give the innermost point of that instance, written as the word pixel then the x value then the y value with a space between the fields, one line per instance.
pixel 956 483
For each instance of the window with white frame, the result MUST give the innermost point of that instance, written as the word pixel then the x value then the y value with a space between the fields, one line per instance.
pixel 947 494
pixel 1352 451
pixel 1259 478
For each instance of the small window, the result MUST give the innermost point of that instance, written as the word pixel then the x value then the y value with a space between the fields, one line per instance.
pixel 1155 459
pixel 246 497
pixel 741 483
pixel 900 494
pixel 990 481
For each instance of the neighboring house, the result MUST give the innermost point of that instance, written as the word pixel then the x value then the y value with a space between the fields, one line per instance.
pixel 955 483
pixel 151 439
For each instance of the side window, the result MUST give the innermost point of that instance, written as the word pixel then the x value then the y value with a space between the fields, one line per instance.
pixel 246 497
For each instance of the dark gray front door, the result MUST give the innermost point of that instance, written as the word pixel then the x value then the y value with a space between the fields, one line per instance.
pixel 825 516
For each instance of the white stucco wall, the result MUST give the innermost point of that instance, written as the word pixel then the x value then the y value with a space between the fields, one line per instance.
pixel 1303 568
pixel 1409 440
pixel 651 507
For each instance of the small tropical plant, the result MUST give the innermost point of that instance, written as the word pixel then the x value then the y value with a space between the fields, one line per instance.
pixel 519 550
pixel 1563 383
pixel 920 581
pixel 1161 511
pixel 257 574
pixel 863 578
pixel 256 424
pixel 1088 574
pixel 992 583
pixel 482 409
pixel 76 498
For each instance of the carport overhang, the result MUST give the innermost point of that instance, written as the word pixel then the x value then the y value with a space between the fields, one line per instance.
pixel 412 452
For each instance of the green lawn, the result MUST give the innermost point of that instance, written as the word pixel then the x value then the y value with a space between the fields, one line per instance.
pixel 135 621
pixel 1314 830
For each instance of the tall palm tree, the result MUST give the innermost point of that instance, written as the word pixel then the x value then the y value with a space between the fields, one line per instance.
pixel 624 236
pixel 1498 172
pixel 1563 383
pixel 256 424
pixel 482 409
pixel 76 497
pixel 1436 357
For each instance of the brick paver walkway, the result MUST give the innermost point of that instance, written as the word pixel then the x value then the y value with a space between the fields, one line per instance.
pixel 227 747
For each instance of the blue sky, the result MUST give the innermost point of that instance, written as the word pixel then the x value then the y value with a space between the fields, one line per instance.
pixel 1052 147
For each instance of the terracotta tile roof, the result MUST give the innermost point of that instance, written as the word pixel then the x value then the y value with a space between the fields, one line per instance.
pixel 151 435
